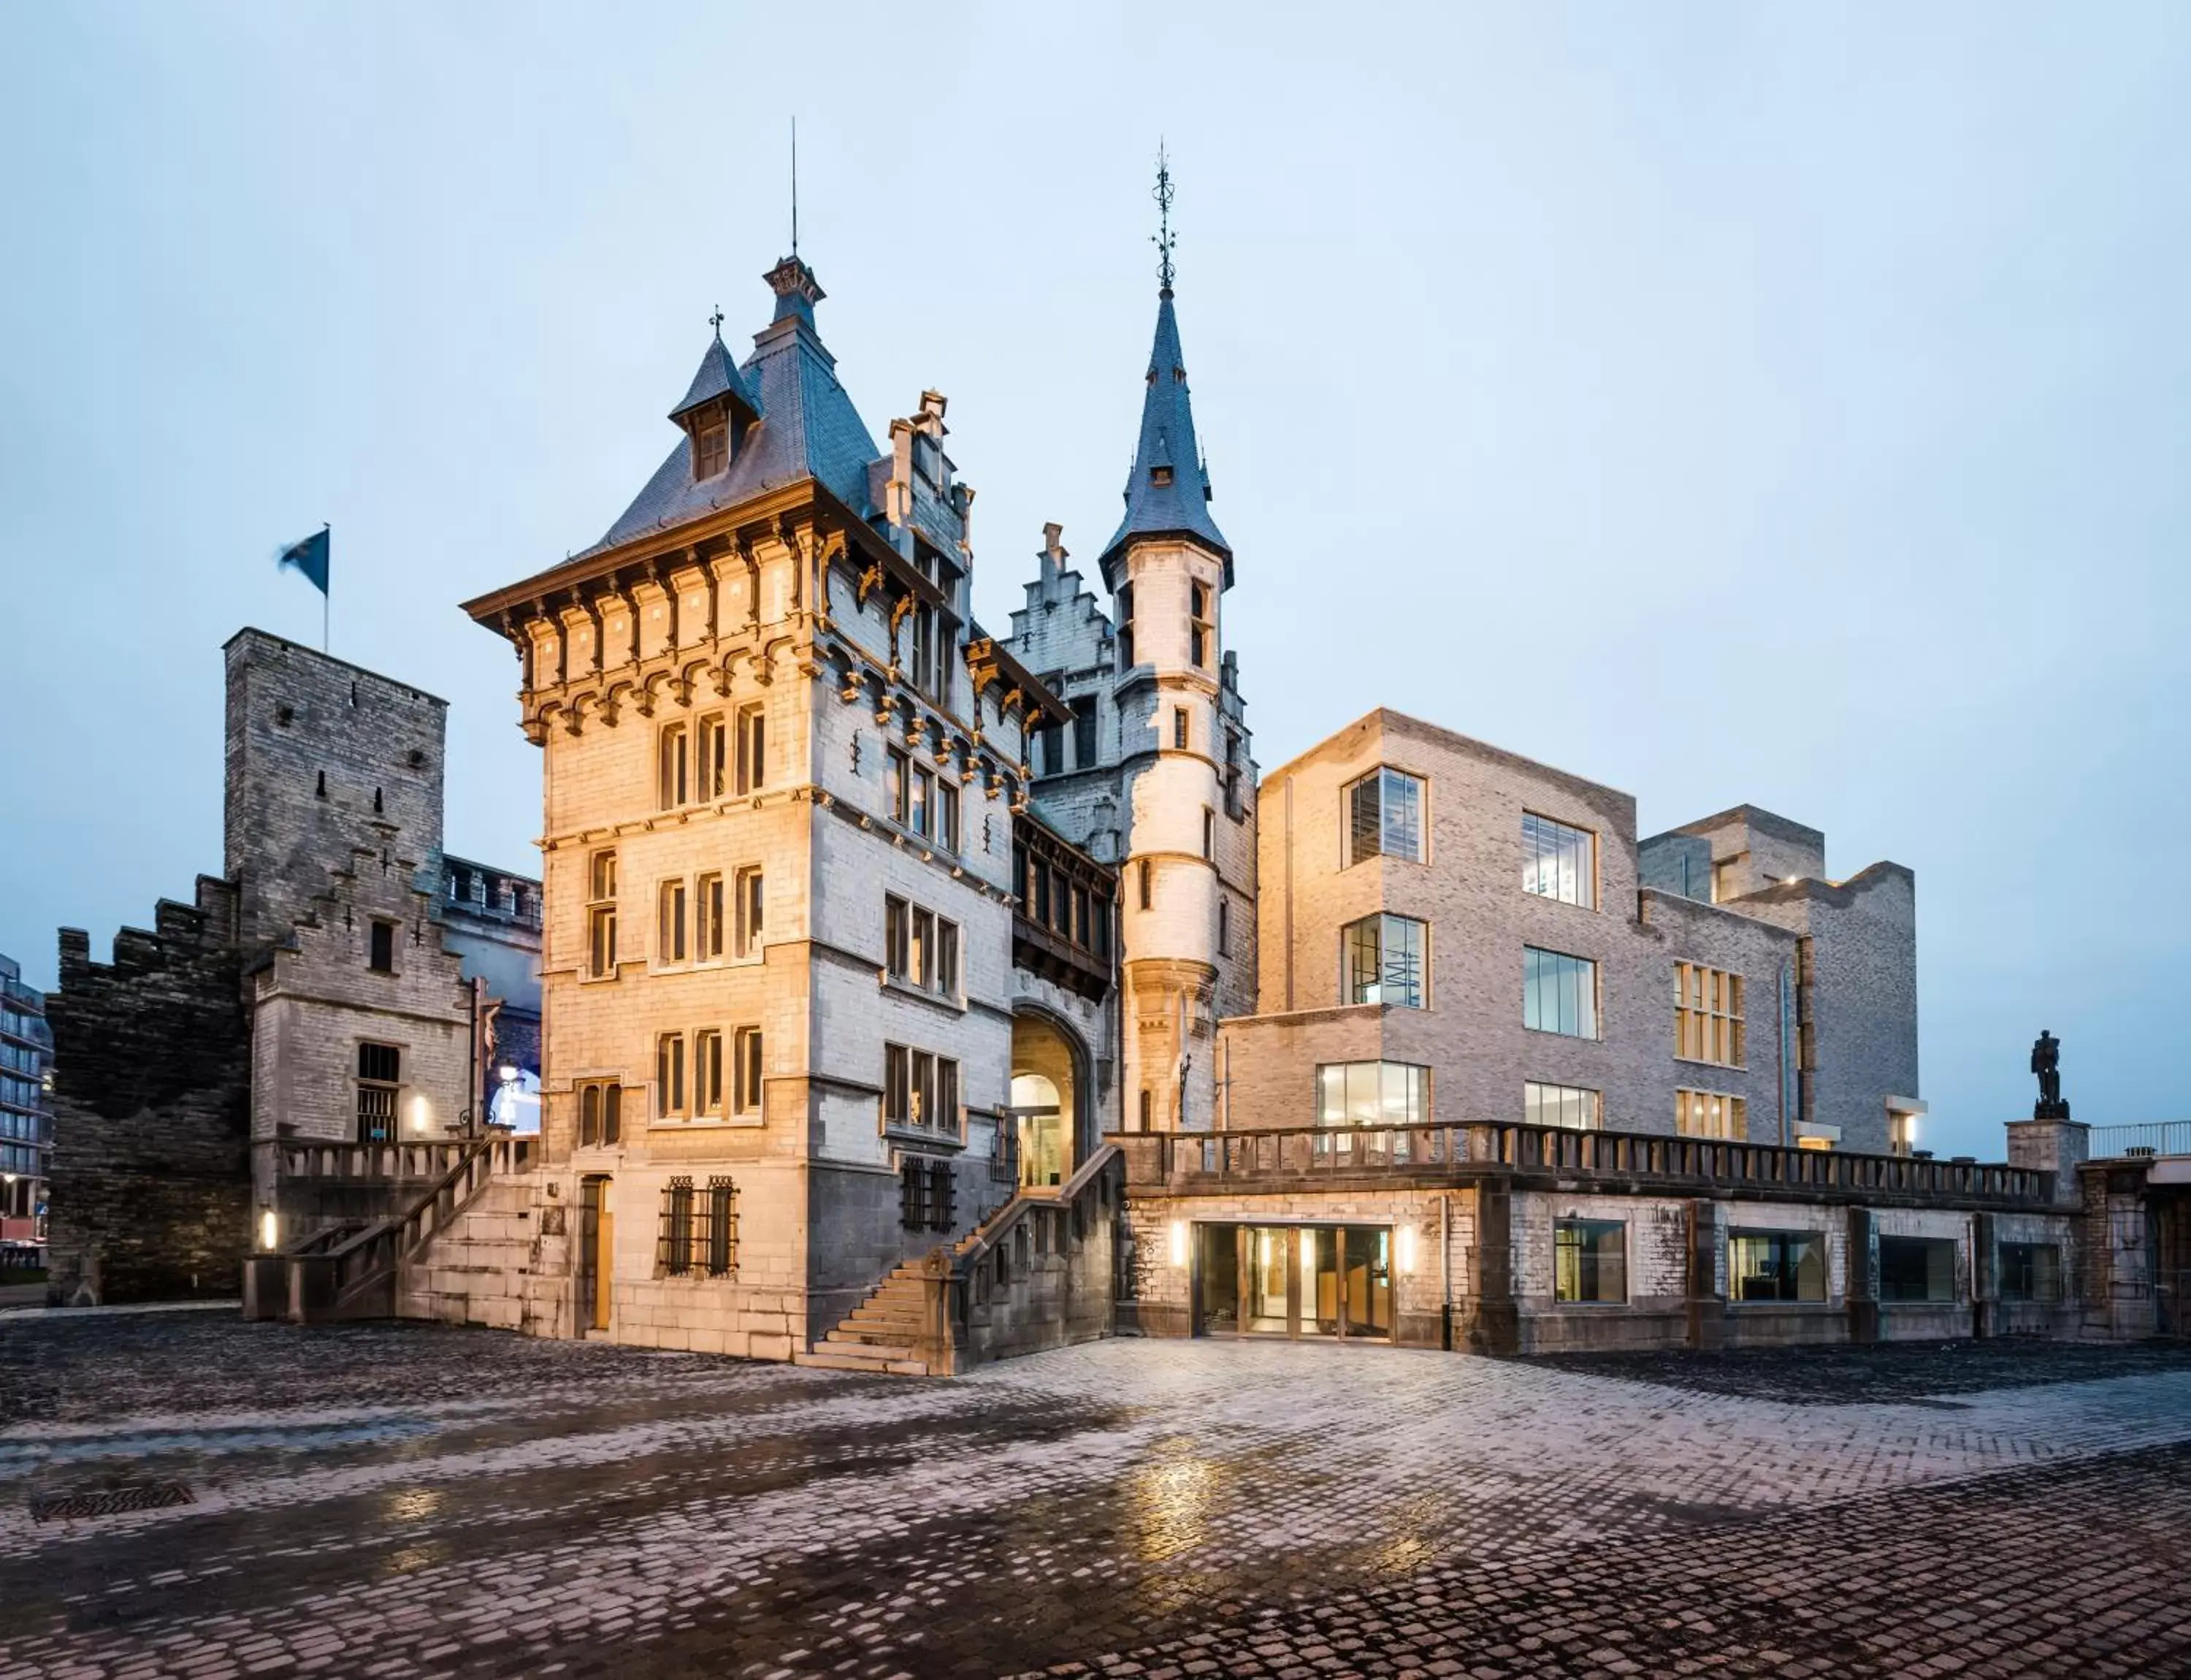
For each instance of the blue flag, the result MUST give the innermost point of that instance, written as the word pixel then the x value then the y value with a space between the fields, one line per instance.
pixel 311 558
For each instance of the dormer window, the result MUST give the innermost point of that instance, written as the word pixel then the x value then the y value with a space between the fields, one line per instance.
pixel 1159 476
pixel 711 445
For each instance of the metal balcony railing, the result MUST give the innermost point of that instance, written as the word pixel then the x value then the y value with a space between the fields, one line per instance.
pixel 2155 1137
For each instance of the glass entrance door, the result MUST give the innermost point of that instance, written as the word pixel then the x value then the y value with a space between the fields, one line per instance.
pixel 1369 1279
pixel 1294 1280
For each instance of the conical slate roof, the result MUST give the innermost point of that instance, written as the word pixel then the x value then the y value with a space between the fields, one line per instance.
pixel 1167 493
pixel 718 376
pixel 808 427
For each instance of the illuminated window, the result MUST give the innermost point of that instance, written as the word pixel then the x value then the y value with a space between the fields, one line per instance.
pixel 1775 1266
pixel 1589 1260
pixel 1549 1105
pixel 1708 1016
pixel 1709 1113
pixel 1373 1093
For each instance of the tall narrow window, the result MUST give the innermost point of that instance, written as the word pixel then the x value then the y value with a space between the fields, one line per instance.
pixel 1145 1107
pixel 382 955
pixel 713 449
pixel 1559 994
pixel 1708 1016
pixel 1224 927
pixel 677 1226
pixel 601 915
pixel 1209 835
pixel 713 775
pixel 923 799
pixel 1049 750
pixel 600 1114
pixel 710 906
pixel 722 1247
pixel 670 941
pixel 947 815
pixel 1384 817
pixel 946 958
pixel 669 1075
pixel 745 1098
pixel 1147 884
pixel 752 747
pixel 1084 732
pixel 1559 861
pixel 922 949
pixel 897 785
pixel 898 937
pixel 1180 733
pixel 1385 960
pixel 708 1073
pixel 752 899
pixel 673 767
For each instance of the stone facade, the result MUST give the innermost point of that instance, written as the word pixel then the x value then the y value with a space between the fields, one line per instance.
pixel 309 996
pixel 791 707
pixel 26 1121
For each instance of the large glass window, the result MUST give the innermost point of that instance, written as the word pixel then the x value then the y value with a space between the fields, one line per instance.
pixel 1384 960
pixel 1548 1105
pixel 1373 1093
pixel 1559 993
pixel 2030 1272
pixel 1558 861
pixel 1707 1016
pixel 1776 1265
pixel 1590 1260
pixel 1385 817
pixel 1710 1113
pixel 1916 1268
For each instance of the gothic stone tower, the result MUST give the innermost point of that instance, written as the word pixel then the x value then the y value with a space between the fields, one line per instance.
pixel 1158 777
pixel 781 763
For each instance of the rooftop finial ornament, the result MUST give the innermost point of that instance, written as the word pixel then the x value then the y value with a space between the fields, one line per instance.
pixel 1162 239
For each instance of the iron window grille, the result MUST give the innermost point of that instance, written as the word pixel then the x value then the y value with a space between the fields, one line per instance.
pixel 699 1228
pixel 927 1194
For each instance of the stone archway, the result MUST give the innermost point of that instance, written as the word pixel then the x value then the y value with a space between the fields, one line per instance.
pixel 1053 1097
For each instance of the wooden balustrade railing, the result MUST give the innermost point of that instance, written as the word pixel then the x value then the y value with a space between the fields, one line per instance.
pixel 1203 1159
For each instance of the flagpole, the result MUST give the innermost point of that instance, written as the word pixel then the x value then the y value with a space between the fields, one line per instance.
pixel 326 596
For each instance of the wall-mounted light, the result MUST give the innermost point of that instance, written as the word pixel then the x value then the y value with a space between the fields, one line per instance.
pixel 1407 1251
pixel 269 1228
pixel 420 1113
pixel 1179 1242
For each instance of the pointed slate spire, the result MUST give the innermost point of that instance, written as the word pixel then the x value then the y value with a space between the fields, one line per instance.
pixel 1168 491
pixel 718 376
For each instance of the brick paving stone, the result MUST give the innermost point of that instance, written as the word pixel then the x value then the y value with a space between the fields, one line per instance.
pixel 402 1500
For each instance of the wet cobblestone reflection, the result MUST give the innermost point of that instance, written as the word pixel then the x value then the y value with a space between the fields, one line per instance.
pixel 405 1501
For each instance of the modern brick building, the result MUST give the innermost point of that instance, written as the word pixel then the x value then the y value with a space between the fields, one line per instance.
pixel 27 1126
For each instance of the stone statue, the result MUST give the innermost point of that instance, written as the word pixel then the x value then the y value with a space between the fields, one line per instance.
pixel 2046 1063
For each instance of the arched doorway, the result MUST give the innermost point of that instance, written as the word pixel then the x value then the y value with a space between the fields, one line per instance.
pixel 1050 1100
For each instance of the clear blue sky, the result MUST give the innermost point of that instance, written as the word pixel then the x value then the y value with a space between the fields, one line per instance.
pixel 1723 402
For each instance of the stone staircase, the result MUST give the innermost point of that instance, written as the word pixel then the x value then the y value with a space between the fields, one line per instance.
pixel 1005 1288
pixel 884 1331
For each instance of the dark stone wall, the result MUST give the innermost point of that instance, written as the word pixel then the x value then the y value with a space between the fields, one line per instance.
pixel 323 757
pixel 151 1168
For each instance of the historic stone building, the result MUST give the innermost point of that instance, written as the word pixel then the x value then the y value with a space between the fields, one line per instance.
pixel 321 989
pixel 914 996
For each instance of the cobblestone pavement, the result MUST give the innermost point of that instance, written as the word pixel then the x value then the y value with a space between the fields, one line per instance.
pixel 394 1501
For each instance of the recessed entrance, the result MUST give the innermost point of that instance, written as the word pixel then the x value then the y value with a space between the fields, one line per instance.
pixel 1294 1280
pixel 1049 1108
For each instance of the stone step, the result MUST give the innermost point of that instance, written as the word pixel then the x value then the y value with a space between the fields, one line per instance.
pixel 874 1361
pixel 873 1335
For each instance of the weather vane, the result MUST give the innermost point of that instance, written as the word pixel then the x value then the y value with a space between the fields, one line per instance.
pixel 715 320
pixel 1163 239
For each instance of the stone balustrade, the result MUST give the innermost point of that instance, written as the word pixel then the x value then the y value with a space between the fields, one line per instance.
pixel 1299 1157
